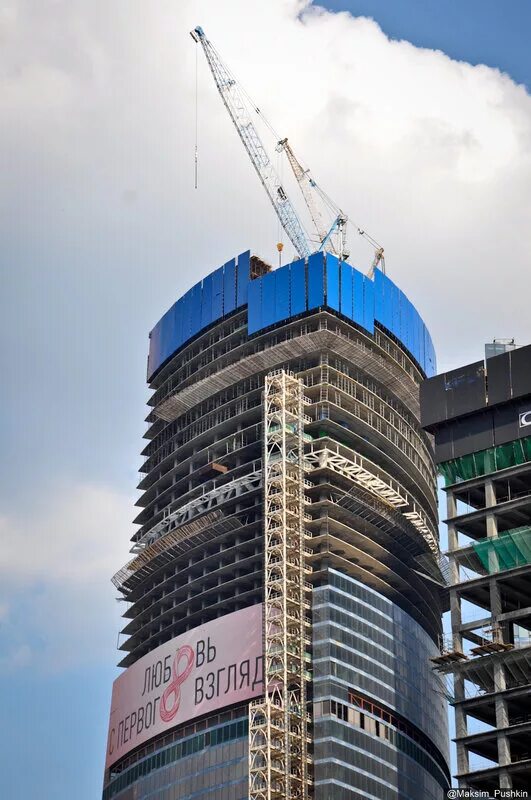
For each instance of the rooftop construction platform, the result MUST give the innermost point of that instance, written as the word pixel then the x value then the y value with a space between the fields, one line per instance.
pixel 274 296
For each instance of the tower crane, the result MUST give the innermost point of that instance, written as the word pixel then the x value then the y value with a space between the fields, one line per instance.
pixel 377 261
pixel 308 189
pixel 334 239
pixel 235 104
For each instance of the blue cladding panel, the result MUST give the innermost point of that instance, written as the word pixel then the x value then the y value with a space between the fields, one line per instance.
pixel 167 333
pixel 179 338
pixel 419 335
pixel 388 304
pixel 414 334
pixel 395 310
pixel 332 282
pixel 368 304
pixel 406 321
pixel 289 291
pixel 357 297
pixel 206 302
pixel 410 327
pixel 414 321
pixel 297 287
pixel 217 294
pixel 346 290
pixel 282 294
pixel 414 331
pixel 402 325
pixel 254 307
pixel 186 316
pixel 423 340
pixel 229 286
pixel 244 267
pixel 316 280
pixel 195 309
pixel 431 361
pixel 379 296
pixel 386 292
pixel 268 283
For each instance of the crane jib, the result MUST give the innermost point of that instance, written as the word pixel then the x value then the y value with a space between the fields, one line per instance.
pixel 235 104
pixel 332 238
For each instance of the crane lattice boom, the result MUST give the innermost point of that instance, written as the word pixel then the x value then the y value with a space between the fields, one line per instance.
pixel 306 185
pixel 234 102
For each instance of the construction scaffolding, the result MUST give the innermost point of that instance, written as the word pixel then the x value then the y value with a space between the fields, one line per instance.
pixel 279 723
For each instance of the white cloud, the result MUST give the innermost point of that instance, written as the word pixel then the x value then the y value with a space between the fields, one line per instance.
pixel 430 155
pixel 56 560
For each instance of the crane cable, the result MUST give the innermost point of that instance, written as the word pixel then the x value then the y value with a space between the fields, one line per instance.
pixel 196 126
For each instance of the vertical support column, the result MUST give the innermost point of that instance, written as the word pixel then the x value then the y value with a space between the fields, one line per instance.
pixel 461 727
pixel 279 763
pixel 498 632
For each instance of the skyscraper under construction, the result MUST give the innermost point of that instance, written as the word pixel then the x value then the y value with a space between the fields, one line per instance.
pixel 283 601
pixel 480 415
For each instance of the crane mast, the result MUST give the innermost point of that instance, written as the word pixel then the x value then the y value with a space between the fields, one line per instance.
pixel 310 190
pixel 377 261
pixel 306 184
pixel 234 102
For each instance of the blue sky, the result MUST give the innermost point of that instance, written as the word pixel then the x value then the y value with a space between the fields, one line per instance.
pixel 478 31
pixel 101 230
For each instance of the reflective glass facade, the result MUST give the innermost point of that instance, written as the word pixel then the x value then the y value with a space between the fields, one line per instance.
pixel 380 714
pixel 380 723
pixel 207 766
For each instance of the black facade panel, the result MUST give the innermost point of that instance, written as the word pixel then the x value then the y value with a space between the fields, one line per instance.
pixel 448 403
pixel 512 422
pixel 444 443
pixel 465 389
pixel 472 434
pixel 524 418
pixel 521 371
pixel 505 424
pixel 452 394
pixel 433 401
pixel 499 379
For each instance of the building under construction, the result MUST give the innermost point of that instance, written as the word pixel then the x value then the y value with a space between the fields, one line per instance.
pixel 283 598
pixel 481 417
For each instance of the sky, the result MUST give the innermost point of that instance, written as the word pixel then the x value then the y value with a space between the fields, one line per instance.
pixel 414 116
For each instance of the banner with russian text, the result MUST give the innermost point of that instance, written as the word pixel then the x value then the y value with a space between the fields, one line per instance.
pixel 205 669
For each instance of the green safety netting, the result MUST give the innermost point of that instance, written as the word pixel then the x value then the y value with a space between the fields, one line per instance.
pixel 486 461
pixel 508 550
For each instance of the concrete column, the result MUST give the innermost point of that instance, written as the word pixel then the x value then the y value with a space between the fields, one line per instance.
pixel 490 493
pixel 451 511
pixel 502 721
pixel 461 727
pixel 452 562
pixel 492 525
pixel 455 617
pixel 506 781
pixel 451 505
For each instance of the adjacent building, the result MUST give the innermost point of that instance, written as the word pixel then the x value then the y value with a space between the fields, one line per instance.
pixel 283 599
pixel 480 415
